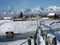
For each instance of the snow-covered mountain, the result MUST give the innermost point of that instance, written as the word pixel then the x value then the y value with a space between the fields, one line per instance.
pixel 37 10
pixel 54 9
pixel 33 11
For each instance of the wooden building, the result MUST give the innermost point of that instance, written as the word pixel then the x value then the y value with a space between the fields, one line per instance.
pixel 52 16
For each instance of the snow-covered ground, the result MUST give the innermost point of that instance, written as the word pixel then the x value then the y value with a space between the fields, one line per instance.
pixel 17 26
pixel 50 25
pixel 28 26
pixel 22 27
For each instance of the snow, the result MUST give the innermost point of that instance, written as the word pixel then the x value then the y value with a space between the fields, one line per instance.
pixel 51 35
pixel 45 18
pixel 58 43
pixel 33 11
pixel 49 25
pixel 51 14
pixel 52 9
pixel 7 18
pixel 40 40
pixel 30 11
pixel 27 26
pixel 18 26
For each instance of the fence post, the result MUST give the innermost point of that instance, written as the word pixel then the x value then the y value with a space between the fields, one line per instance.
pixel 54 42
pixel 35 40
pixel 44 35
pixel 29 41
pixel 35 37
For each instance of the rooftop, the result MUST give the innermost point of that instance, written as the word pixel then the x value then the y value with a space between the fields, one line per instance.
pixel 51 14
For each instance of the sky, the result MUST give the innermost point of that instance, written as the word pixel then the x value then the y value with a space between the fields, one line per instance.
pixel 19 4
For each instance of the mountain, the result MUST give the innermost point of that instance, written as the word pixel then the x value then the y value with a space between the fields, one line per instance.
pixel 42 11
pixel 37 10
pixel 31 11
pixel 53 9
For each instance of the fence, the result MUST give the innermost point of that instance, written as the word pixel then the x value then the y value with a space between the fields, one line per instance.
pixel 49 40
pixel 29 41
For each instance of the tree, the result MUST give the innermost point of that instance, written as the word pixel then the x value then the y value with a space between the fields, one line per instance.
pixel 21 15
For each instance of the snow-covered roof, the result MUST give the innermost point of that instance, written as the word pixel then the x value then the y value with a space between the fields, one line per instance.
pixel 51 14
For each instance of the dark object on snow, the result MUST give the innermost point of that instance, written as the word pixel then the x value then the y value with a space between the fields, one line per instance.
pixel 54 41
pixel 29 41
pixel 10 34
pixel 56 16
pixel 21 15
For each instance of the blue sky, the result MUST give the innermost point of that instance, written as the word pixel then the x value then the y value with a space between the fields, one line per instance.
pixel 18 4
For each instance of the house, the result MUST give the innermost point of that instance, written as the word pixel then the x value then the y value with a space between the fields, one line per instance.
pixel 52 16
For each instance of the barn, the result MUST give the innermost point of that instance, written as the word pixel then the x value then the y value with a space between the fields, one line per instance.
pixel 52 16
